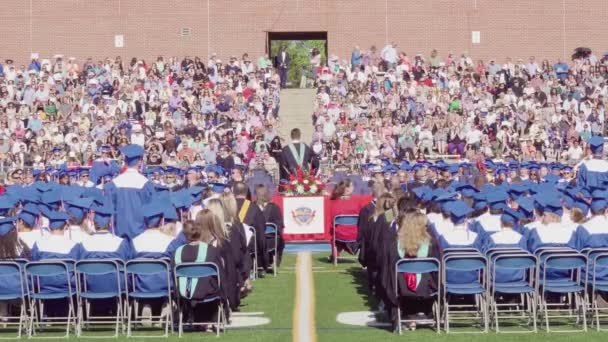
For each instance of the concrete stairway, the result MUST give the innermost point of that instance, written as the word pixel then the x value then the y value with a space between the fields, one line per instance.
pixel 296 112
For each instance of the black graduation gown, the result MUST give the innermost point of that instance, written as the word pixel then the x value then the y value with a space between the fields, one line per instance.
pixel 255 218
pixel 207 287
pixel 237 240
pixel 272 214
pixel 364 232
pixel 289 161
pixel 409 300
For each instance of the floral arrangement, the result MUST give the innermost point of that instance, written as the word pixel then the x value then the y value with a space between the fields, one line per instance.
pixel 303 183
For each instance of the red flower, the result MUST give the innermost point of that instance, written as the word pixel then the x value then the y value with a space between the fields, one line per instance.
pixel 306 187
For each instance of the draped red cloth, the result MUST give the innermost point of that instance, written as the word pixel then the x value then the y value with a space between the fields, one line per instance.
pixel 410 281
pixel 331 209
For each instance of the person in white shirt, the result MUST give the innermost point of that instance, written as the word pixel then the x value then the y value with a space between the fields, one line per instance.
pixel 473 138
pixel 138 137
pixel 575 152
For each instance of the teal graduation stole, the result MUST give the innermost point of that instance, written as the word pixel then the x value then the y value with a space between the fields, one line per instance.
pixel 423 252
pixel 299 157
pixel 187 285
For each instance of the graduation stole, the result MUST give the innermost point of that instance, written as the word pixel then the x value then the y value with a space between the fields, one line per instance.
pixel 244 210
pixel 299 157
pixel 412 280
pixel 187 285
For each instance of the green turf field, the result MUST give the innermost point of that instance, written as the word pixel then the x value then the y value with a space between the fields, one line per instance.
pixel 337 290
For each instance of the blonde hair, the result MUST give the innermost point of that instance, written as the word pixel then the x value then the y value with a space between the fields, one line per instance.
pixel 230 207
pixel 412 232
pixel 215 206
pixel 210 227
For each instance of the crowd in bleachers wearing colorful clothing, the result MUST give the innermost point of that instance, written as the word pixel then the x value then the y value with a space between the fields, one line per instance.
pixel 130 217
pixel 438 210
pixel 388 104
pixel 183 111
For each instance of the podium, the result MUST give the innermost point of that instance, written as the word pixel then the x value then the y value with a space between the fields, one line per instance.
pixel 308 218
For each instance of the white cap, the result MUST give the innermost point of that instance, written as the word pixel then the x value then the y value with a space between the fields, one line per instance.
pixel 34 55
pixel 58 56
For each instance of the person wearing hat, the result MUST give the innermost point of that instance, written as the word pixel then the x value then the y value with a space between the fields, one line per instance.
pixel 28 225
pixel 102 244
pixel 153 243
pixel 594 232
pixel 507 236
pixel 78 209
pixel 593 172
pixel 84 178
pixel 129 192
pixel 490 221
pixel 550 230
pixel 460 235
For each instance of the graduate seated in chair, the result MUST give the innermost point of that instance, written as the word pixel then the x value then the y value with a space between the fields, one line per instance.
pixel 78 229
pixel 490 221
pixel 551 231
pixel 202 246
pixel 415 291
pixel 272 214
pixel 460 236
pixel 28 225
pixel 507 236
pixel 153 243
pixel 594 232
pixel 11 247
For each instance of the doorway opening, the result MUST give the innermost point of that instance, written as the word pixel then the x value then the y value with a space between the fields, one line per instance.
pixel 300 47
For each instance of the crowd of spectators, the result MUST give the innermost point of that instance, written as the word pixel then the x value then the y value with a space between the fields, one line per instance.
pixel 184 111
pixel 390 105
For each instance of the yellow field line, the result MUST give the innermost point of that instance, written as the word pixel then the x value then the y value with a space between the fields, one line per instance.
pixel 304 309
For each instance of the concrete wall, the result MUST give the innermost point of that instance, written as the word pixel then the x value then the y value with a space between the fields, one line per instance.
pixel 516 28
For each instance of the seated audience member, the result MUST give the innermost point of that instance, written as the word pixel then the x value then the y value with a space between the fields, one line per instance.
pixel 346 235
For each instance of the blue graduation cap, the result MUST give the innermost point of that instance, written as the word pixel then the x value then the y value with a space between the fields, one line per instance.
pixel 215 168
pixel 405 166
pixel 458 210
pixel 516 190
pixel 133 153
pixel 218 187
pixel 57 219
pixel 103 213
pixel 36 172
pixel 172 169
pixel 76 208
pixel 552 179
pixel 6 204
pixel 181 199
pixel 479 200
pixel 42 186
pixel 421 190
pixel 510 216
pixel 497 199
pixel 71 192
pixel 467 190
pixel 153 213
pixel 499 171
pixel 7 224
pixel 390 168
pixel 596 144
pixel 84 171
pixel 549 202
pixel 525 206
pixel 196 194
pixel 453 168
pixel 51 198
pixel 567 168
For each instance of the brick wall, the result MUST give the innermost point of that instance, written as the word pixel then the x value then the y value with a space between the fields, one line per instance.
pixel 516 28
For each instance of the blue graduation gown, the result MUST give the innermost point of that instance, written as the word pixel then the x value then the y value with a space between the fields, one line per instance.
pixel 152 244
pixel 101 167
pixel 506 238
pixel 486 223
pixel 551 235
pixel 592 234
pixel 104 245
pixel 592 173
pixel 129 192
pixel 460 238
pixel 56 247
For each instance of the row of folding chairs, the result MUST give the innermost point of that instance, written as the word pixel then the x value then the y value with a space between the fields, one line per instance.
pixel 271 232
pixel 513 287
pixel 70 278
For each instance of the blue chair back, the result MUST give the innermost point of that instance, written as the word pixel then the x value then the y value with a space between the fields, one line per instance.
pixel 97 267
pixel 465 263
pixel 347 220
pixel 194 270
pixel 565 261
pixel 418 265
pixel 47 268
pixel 270 228
pixel 146 267
pixel 12 269
pixel 515 262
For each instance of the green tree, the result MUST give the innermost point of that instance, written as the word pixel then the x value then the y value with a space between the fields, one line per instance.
pixel 299 52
